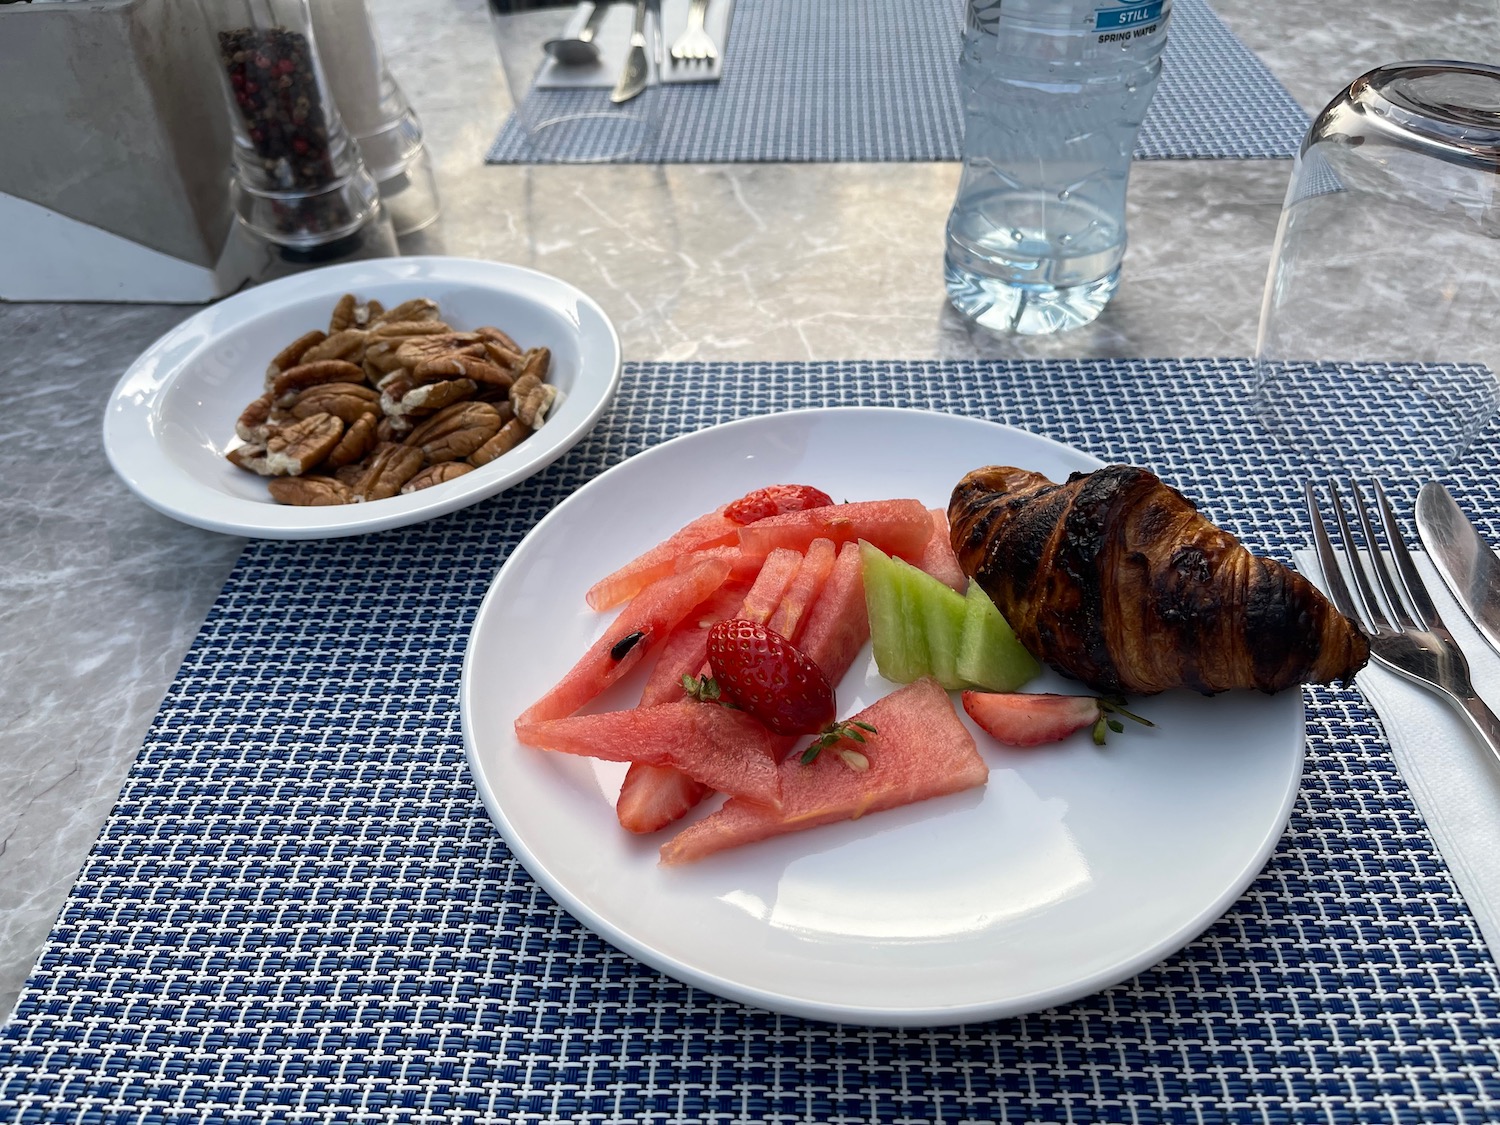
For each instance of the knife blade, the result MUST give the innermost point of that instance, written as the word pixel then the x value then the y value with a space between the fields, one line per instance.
pixel 1469 567
pixel 637 66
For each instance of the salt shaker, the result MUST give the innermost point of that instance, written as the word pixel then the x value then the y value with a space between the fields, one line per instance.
pixel 300 181
pixel 376 112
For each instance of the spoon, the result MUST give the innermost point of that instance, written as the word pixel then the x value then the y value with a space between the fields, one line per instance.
pixel 582 49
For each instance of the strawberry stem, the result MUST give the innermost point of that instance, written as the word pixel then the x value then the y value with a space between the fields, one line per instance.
pixel 1110 706
pixel 703 688
pixel 835 734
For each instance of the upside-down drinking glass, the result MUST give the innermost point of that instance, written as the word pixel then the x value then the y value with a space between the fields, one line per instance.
pixel 1381 312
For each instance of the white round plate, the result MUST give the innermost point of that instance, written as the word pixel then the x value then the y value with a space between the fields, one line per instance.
pixel 1074 868
pixel 171 418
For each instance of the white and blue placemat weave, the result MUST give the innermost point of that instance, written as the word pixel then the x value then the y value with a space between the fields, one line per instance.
pixel 876 80
pixel 298 910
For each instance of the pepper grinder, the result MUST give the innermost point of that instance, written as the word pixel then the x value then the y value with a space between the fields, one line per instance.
pixel 300 182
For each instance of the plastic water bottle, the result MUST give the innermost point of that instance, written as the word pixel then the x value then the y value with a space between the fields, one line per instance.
pixel 1054 95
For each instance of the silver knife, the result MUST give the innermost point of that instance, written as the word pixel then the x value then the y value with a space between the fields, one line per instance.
pixel 637 67
pixel 1468 566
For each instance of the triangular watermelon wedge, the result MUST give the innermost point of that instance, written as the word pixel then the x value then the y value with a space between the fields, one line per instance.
pixel 722 748
pixel 921 750
pixel 649 619
pixel 897 527
pixel 838 625
pixel 803 590
pixel 713 529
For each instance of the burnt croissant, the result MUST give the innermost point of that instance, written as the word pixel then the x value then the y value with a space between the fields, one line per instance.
pixel 1113 578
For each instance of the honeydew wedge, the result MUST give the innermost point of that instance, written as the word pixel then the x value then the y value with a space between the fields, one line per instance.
pixel 989 656
pixel 921 627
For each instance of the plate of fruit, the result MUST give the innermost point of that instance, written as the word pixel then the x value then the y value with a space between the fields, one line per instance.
pixel 785 710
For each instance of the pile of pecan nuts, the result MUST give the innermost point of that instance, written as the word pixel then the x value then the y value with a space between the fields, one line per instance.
pixel 389 401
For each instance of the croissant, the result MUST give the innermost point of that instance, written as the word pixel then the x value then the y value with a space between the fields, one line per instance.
pixel 1113 578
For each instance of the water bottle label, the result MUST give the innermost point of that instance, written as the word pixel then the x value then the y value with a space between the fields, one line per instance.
pixel 1128 20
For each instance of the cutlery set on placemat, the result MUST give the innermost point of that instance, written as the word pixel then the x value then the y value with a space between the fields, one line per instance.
pixel 627 45
pixel 1385 593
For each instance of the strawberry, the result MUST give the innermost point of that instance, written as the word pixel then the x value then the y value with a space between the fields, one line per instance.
pixel 1030 719
pixel 774 500
pixel 766 676
pixel 652 797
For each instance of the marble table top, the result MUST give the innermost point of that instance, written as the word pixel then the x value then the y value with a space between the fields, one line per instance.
pixel 102 596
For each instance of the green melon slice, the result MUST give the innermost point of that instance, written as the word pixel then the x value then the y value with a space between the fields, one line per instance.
pixel 921 627
pixel 989 656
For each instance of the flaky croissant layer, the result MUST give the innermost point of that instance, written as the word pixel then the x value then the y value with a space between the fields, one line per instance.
pixel 1113 578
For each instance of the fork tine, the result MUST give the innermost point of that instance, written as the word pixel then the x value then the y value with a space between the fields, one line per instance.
pixel 1369 601
pixel 1328 562
pixel 1410 580
pixel 1396 608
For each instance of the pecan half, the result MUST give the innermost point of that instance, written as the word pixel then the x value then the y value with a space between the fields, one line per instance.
pixel 345 401
pixel 504 357
pixel 351 313
pixel 434 396
pixel 406 329
pixel 418 308
pixel 347 344
pixel 491 334
pixel 436 474
pixel 358 440
pixel 413 351
pixel 388 468
pixel 254 422
pixel 510 435
pixel 308 492
pixel 294 380
pixel 380 358
pixel 294 449
pixel 251 458
pixel 292 354
pixel 455 431
pixel 536 405
pixel 538 363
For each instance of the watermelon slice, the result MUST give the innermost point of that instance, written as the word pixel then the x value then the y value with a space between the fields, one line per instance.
pixel 722 748
pixel 765 595
pixel 897 527
pixel 654 795
pixel 711 530
pixel 921 750
pixel 686 650
pixel 650 618
pixel 838 624
pixel 803 590
pixel 938 558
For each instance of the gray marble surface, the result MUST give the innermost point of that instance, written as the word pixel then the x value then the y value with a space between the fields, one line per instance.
pixel 102 596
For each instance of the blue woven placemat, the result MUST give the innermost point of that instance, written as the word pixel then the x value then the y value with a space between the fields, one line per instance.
pixel 299 911
pixel 876 80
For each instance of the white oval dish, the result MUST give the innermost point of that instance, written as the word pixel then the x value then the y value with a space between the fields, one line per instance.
pixel 1075 867
pixel 172 415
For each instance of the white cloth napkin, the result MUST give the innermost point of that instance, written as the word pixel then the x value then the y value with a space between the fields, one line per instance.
pixel 613 38
pixel 1451 774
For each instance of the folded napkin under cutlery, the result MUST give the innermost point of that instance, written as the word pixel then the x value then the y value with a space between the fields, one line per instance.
pixel 613 41
pixel 1452 777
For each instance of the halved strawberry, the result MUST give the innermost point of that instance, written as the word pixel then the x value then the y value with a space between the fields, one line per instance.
pixel 652 797
pixel 764 675
pixel 1034 718
pixel 775 499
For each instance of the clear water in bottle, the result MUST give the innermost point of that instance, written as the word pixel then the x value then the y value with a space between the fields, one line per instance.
pixel 1055 92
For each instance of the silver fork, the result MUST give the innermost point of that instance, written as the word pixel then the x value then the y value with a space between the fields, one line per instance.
pixel 1406 633
pixel 694 44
